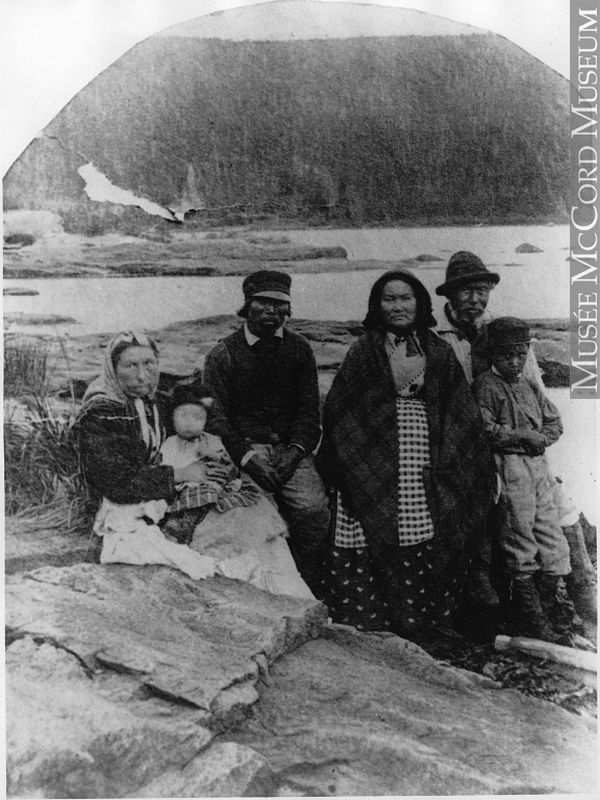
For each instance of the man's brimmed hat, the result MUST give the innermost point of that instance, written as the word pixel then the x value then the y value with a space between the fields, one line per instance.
pixel 464 268
pixel 507 331
pixel 267 283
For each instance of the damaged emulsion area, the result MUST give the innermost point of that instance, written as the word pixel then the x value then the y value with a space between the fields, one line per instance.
pixel 99 188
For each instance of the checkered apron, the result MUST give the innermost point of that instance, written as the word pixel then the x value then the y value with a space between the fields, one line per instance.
pixel 414 519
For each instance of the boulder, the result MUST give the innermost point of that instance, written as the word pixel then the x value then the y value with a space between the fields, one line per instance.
pixel 184 639
pixel 361 714
pixel 527 248
pixel 18 240
pixel 427 257
pixel 226 770
pixel 128 681
pixel 67 737
pixel 118 676
pixel 28 545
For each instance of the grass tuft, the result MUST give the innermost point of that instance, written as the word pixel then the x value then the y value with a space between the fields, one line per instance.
pixel 25 367
pixel 43 478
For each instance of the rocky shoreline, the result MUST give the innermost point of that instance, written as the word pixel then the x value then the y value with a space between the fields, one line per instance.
pixel 206 254
pixel 129 681
pixel 184 345
pixel 138 681
pixel 51 253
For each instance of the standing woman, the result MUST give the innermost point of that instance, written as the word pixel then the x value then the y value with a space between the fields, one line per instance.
pixel 411 473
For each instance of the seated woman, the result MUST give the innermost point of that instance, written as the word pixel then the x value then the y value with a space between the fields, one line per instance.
pixel 120 434
pixel 405 452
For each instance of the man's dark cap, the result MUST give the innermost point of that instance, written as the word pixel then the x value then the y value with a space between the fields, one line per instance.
pixel 464 268
pixel 267 283
pixel 507 331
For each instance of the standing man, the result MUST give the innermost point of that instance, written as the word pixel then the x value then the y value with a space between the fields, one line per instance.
pixel 264 381
pixel 467 287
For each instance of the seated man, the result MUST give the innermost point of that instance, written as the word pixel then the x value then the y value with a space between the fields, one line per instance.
pixel 264 382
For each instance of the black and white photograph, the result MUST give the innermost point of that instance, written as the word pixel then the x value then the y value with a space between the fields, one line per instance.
pixel 300 397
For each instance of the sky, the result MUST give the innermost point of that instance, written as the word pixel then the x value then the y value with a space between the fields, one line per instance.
pixel 50 49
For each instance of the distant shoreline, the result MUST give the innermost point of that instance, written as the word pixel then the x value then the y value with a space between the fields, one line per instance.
pixel 168 250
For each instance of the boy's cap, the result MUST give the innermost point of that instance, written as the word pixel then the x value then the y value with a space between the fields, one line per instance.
pixel 267 283
pixel 506 331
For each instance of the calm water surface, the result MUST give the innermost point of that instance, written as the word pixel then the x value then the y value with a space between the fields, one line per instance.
pixel 537 287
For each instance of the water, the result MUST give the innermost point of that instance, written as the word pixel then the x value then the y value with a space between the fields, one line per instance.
pixel 537 288
pixel 574 456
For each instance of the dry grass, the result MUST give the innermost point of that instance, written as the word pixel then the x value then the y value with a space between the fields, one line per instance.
pixel 41 466
pixel 25 367
pixel 43 480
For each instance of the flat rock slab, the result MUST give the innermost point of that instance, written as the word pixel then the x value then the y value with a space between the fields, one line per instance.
pixel 189 640
pixel 28 547
pixel 118 679
pixel 360 714
pixel 128 681
pixel 71 734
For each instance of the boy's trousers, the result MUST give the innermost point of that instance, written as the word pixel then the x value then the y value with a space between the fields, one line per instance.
pixel 530 536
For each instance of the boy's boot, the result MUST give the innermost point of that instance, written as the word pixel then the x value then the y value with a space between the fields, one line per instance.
pixel 581 583
pixel 503 586
pixel 559 613
pixel 531 620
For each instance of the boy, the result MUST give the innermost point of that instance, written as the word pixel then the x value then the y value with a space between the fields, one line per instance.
pixel 521 422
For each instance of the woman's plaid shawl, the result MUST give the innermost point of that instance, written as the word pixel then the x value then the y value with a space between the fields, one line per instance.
pixel 359 453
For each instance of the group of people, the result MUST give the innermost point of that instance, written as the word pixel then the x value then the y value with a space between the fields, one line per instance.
pixel 422 486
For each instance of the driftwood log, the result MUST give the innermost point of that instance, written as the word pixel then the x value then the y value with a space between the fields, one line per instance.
pixel 581 659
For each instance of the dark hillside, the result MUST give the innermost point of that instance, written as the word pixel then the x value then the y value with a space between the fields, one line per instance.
pixel 363 130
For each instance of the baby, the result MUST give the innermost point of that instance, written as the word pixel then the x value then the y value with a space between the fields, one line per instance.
pixel 222 488
pixel 191 442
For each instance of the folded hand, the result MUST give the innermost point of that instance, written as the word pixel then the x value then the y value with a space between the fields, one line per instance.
pixel 533 443
pixel 263 473
pixel 287 463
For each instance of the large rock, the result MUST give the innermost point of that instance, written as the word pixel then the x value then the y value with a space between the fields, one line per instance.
pixel 129 681
pixel 119 675
pixel 68 737
pixel 190 640
pixel 359 714
pixel 527 248
pixel 226 770
pixel 29 545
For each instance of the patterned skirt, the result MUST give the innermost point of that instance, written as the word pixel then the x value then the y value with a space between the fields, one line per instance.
pixel 357 590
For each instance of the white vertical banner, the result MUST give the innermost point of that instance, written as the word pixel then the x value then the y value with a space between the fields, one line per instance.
pixel 584 200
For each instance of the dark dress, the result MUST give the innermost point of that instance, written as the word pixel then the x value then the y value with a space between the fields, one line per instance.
pixel 412 478
pixel 117 463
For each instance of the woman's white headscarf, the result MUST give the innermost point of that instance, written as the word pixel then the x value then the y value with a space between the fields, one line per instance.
pixel 106 386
